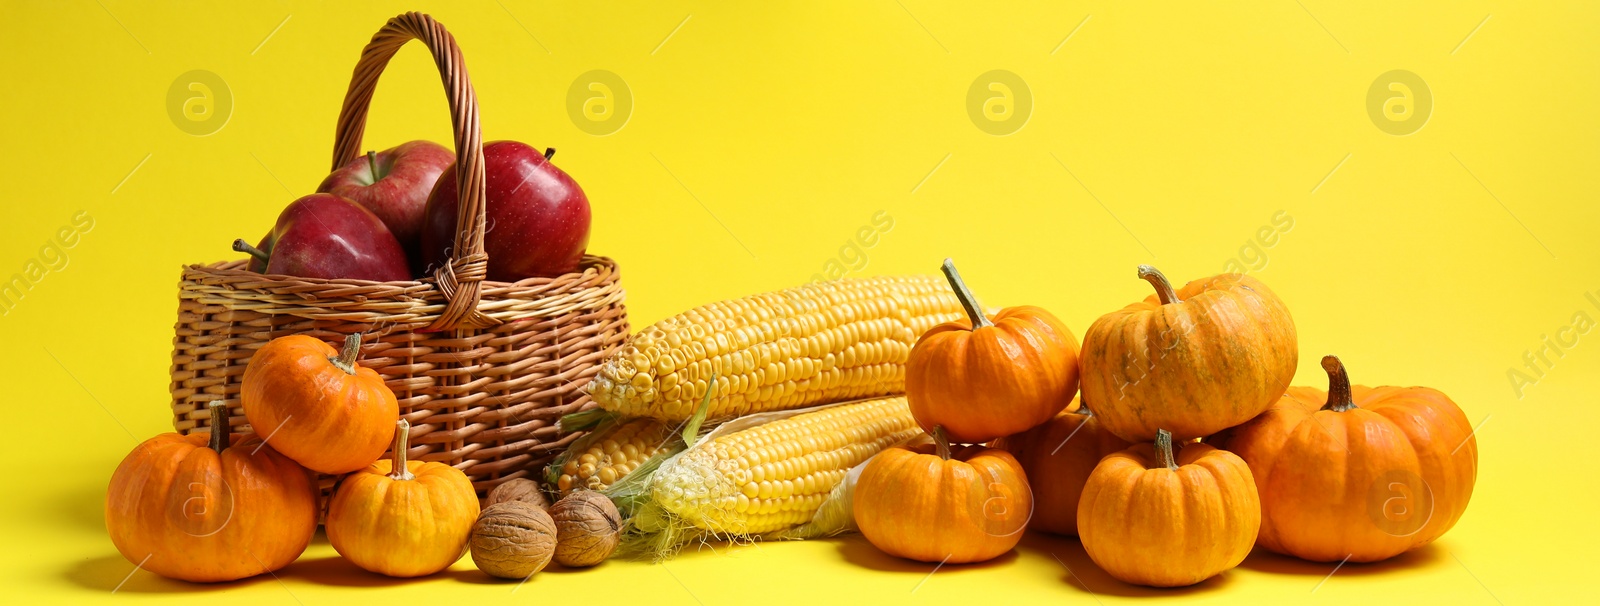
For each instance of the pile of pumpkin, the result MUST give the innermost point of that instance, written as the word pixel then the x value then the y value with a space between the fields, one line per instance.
pixel 1187 449
pixel 217 506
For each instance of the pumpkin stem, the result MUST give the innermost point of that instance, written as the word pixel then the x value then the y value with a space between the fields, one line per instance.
pixel 241 246
pixel 1164 450
pixel 347 356
pixel 1339 397
pixel 219 425
pixel 402 441
pixel 963 294
pixel 1163 287
pixel 941 442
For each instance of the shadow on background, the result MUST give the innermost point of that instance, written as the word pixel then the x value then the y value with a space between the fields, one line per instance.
pixel 1082 573
pixel 335 571
pixel 107 573
pixel 1262 560
pixel 112 572
pixel 698 549
pixel 858 551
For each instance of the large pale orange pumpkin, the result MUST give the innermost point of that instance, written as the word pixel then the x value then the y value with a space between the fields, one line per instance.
pixel 1058 457
pixel 319 407
pixel 403 519
pixel 983 378
pixel 1359 473
pixel 922 502
pixel 210 507
pixel 1148 518
pixel 1209 356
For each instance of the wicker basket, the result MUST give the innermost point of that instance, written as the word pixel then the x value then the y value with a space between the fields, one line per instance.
pixel 482 369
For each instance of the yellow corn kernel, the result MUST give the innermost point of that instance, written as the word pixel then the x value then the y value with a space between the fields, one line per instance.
pixel 804 456
pixel 614 452
pixel 822 342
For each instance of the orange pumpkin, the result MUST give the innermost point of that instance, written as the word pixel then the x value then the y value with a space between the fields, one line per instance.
pixel 1194 361
pixel 319 407
pixel 403 519
pixel 1363 473
pixel 921 502
pixel 1148 518
pixel 210 507
pixel 1058 457
pixel 981 379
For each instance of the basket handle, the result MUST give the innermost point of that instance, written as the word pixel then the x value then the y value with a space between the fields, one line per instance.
pixel 460 280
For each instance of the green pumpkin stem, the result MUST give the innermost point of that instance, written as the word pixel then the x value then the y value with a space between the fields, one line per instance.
pixel 963 294
pixel 219 425
pixel 1164 450
pixel 402 441
pixel 1163 287
pixel 1339 397
pixel 347 356
pixel 941 442
pixel 240 245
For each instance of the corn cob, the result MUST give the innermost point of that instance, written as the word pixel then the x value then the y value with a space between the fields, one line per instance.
pixel 777 474
pixel 822 342
pixel 613 452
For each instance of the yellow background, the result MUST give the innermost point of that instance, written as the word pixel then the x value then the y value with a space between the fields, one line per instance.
pixel 762 137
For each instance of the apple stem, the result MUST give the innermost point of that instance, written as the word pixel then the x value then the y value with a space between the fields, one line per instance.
pixel 219 425
pixel 240 245
pixel 549 152
pixel 372 163
pixel 347 357
pixel 965 296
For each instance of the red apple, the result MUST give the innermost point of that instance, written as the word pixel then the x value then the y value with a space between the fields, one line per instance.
pixel 326 236
pixel 394 184
pixel 537 221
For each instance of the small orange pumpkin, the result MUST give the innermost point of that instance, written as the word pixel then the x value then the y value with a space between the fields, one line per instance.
pixel 210 507
pixel 1058 457
pixel 1359 473
pixel 403 519
pixel 1209 356
pixel 1149 519
pixel 981 379
pixel 320 407
pixel 921 502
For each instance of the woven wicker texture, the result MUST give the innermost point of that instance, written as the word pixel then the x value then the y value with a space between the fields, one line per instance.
pixel 482 370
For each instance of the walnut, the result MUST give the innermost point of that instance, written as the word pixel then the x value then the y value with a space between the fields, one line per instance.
pixel 512 540
pixel 520 489
pixel 588 528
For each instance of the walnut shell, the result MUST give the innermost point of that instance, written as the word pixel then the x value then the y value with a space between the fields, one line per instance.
pixel 588 528
pixel 512 540
pixel 520 489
